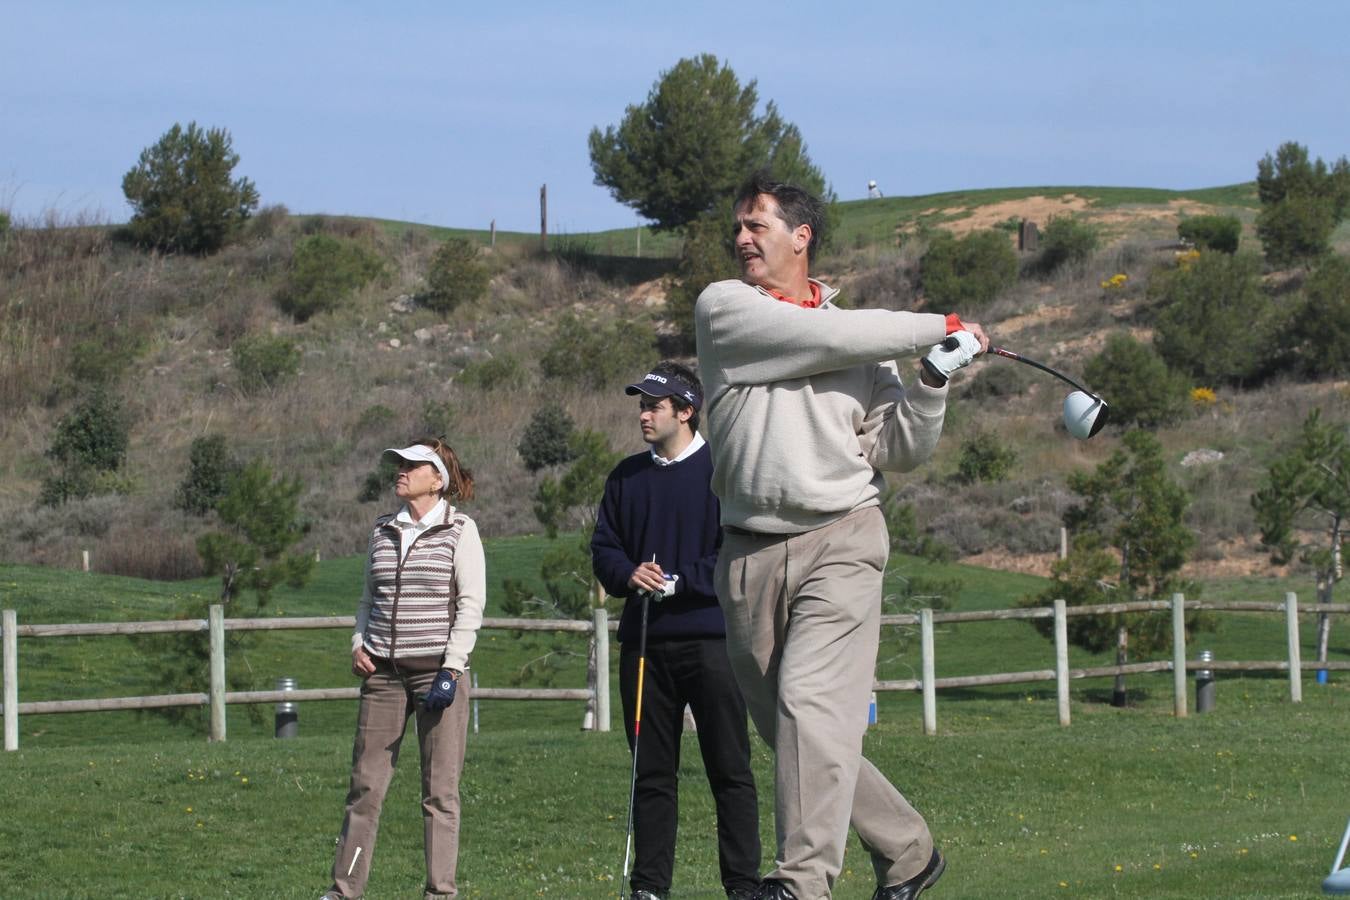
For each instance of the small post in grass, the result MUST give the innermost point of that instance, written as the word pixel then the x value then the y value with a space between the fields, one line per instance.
pixel 1295 655
pixel 1062 661
pixel 600 619
pixel 216 624
pixel 287 721
pixel 1204 684
pixel 929 672
pixel 1179 654
pixel 9 623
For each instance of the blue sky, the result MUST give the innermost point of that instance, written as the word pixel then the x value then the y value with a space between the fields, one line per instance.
pixel 455 113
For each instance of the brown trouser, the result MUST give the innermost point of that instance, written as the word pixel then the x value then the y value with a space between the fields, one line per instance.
pixel 387 701
pixel 803 624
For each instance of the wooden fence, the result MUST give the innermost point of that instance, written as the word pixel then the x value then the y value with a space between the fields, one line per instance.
pixel 217 697
pixel 597 692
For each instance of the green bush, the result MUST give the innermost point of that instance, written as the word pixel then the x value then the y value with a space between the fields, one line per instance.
pixel 264 361
pixel 968 272
pixel 1219 233
pixel 547 439
pixel 325 271
pixel 456 276
pixel 103 360
pixel 984 457
pixel 505 371
pixel 378 483
pixel 181 195
pixel 1137 384
pixel 1319 331
pixel 376 419
pixel 1301 203
pixel 1066 241
pixel 706 257
pixel 210 468
pixel 1215 323
pixel 595 353
pixel 88 444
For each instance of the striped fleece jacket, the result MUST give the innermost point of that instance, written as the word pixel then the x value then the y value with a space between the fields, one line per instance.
pixel 429 605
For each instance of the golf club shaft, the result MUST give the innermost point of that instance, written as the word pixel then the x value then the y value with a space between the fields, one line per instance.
pixel 1008 354
pixel 637 734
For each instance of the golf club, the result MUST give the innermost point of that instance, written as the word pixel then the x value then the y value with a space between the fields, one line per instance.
pixel 647 597
pixel 1084 412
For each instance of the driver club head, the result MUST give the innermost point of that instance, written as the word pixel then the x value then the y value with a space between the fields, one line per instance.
pixel 1084 414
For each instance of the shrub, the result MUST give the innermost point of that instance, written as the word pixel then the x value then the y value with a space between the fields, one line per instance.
pixel 1216 324
pixel 210 468
pixel 1319 331
pixel 264 361
pixel 1066 241
pixel 376 419
pixel 1138 385
pixel 325 271
pixel 505 371
pixel 1219 233
pixel 88 445
pixel 455 277
pixel 103 360
pixel 984 458
pixel 968 272
pixel 379 482
pixel 597 353
pixel 181 195
pixel 706 257
pixel 547 439
pixel 1301 204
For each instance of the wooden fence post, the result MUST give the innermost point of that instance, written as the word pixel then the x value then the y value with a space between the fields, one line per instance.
pixel 1062 662
pixel 9 622
pixel 217 632
pixel 1295 653
pixel 929 672
pixel 1179 655
pixel 600 618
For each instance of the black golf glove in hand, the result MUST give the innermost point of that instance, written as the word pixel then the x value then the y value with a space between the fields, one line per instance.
pixel 442 692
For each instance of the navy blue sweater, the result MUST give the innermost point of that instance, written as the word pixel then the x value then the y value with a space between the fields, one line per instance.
pixel 669 511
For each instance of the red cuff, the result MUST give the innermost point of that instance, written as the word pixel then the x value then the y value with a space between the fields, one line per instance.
pixel 954 323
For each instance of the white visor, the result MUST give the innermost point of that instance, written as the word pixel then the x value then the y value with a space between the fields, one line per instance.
pixel 421 454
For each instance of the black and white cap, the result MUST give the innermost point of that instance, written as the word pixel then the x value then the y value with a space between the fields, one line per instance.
pixel 657 385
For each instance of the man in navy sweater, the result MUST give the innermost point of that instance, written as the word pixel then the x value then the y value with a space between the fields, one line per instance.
pixel 657 530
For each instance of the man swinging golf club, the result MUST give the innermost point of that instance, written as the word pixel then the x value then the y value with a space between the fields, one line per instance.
pixel 806 409
pixel 656 536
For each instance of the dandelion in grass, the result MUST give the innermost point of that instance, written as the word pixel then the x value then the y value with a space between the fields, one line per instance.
pixel 1157 867
pixel 1194 855
pixel 1293 837
pixel 1242 852
pixel 1063 884
pixel 1203 396
pixel 1118 868
pixel 187 809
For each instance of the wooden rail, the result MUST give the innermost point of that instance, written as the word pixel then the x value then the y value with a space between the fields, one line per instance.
pixel 217 698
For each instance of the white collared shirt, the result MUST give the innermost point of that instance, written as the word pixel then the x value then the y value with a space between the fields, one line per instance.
pixel 689 451
pixel 409 529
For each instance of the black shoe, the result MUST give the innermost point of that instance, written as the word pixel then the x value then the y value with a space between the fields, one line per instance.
pixel 645 895
pixel 740 894
pixel 908 890
pixel 773 889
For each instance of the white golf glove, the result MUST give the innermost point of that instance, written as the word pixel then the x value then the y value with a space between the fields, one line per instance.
pixel 954 353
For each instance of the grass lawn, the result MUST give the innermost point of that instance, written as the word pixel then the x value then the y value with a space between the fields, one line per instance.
pixel 1243 802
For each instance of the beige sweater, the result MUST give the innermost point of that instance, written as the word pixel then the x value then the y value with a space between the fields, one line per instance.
pixel 805 408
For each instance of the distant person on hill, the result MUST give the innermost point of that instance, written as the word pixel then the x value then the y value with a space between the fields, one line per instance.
pixel 873 192
pixel 806 409
pixel 417 622
pixel 656 531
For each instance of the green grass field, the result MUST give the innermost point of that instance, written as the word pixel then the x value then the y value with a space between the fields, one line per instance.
pixel 1243 802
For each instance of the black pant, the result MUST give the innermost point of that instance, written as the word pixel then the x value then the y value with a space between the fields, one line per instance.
pixel 695 672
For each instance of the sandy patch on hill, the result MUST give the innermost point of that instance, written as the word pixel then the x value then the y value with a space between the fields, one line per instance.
pixel 1041 209
pixel 1237 558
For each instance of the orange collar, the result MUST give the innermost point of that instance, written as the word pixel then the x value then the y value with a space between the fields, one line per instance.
pixel 810 303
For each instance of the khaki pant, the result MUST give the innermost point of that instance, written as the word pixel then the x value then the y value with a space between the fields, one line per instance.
pixel 387 702
pixel 803 624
